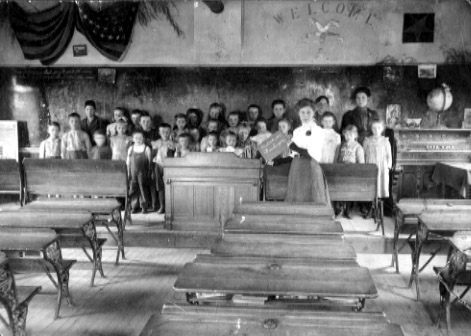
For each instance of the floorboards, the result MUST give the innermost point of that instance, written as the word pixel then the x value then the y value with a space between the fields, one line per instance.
pixel 121 303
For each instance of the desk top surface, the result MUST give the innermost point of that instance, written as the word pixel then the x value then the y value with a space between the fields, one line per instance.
pixel 459 220
pixel 26 241
pixel 44 219
pixel 260 279
pixel 73 204
pixel 417 206
pixel 319 250
pixel 208 321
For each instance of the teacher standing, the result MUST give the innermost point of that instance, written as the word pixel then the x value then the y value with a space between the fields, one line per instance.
pixel 306 180
pixel 362 116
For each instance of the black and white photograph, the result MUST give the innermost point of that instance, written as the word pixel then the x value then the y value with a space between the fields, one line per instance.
pixel 235 167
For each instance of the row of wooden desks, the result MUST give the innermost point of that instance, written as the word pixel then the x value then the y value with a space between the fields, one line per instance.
pixel 275 269
pixel 446 220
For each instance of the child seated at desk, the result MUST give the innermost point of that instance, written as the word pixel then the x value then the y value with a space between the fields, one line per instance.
pixel 212 143
pixel 331 139
pixel 120 142
pixel 101 151
pixel 75 143
pixel 349 151
pixel 213 126
pixel 139 164
pixel 165 148
pixel 51 147
pixel 231 143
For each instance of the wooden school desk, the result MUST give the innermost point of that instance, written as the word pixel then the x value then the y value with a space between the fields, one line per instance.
pixel 441 223
pixel 74 229
pixel 184 320
pixel 45 244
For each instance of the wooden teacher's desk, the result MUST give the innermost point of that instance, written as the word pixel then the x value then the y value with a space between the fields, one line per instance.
pixel 202 189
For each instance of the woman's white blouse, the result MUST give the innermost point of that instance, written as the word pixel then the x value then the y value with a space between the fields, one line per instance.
pixel 313 143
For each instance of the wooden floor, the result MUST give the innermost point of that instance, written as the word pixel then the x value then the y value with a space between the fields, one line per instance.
pixel 122 303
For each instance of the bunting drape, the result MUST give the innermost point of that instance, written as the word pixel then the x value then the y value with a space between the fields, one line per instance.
pixel 45 35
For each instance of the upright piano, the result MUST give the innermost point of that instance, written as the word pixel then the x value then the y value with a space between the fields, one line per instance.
pixel 418 151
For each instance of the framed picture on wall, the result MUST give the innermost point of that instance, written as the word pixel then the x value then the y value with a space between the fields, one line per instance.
pixel 9 148
pixel 427 71
pixel 393 115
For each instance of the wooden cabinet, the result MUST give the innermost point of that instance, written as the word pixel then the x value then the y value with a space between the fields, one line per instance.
pixel 201 189
pixel 418 151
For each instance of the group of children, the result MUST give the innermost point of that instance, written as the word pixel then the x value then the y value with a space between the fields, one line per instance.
pixel 143 148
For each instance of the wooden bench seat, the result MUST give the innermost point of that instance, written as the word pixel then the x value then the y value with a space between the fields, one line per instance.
pixel 284 209
pixel 347 183
pixel 314 227
pixel 15 299
pixel 317 250
pixel 299 281
pixel 186 320
pixel 83 185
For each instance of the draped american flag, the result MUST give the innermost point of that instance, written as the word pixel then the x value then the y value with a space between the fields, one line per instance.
pixel 109 29
pixel 45 35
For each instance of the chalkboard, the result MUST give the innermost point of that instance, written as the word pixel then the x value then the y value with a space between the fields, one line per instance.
pixel 273 146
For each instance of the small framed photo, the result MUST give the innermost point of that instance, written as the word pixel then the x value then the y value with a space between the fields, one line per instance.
pixel 107 75
pixel 427 71
pixel 393 115
pixel 80 50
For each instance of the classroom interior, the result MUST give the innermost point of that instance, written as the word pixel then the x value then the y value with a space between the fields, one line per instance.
pixel 228 254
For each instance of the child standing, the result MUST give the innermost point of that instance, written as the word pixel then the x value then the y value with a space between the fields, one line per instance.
pixel 278 108
pixel 212 145
pixel 183 148
pixel 120 142
pixel 139 170
pixel 233 121
pixel 213 126
pixel 262 131
pixel 195 139
pixel 118 113
pixel 331 139
pixel 349 151
pixel 378 151
pixel 75 143
pixel 51 147
pixel 101 150
pixel 164 147
pixel 179 125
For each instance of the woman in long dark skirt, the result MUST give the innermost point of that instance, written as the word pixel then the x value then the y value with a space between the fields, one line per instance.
pixel 306 181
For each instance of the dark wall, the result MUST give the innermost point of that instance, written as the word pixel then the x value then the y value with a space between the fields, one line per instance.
pixel 35 95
